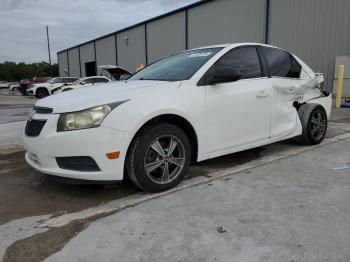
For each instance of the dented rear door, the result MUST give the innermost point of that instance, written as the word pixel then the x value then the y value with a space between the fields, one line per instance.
pixel 289 84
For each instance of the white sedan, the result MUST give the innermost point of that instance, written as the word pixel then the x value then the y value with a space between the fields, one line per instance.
pixel 42 90
pixel 82 82
pixel 185 108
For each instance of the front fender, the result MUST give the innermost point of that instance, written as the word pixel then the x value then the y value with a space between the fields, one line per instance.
pixel 132 121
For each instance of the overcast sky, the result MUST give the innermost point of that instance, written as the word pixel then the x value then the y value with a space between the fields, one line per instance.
pixel 22 23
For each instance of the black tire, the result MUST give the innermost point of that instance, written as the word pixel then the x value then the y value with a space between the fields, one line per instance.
pixel 41 93
pixel 141 151
pixel 313 131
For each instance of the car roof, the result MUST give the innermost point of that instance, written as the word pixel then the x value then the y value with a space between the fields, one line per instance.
pixel 88 77
pixel 232 45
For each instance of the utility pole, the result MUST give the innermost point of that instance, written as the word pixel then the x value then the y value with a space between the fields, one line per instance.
pixel 48 47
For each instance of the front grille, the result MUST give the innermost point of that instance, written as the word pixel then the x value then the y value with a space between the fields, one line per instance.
pixel 34 127
pixel 78 163
pixel 42 110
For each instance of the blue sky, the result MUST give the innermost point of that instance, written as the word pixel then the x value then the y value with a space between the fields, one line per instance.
pixel 22 23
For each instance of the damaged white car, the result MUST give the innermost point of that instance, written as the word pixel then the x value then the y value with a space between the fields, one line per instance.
pixel 187 107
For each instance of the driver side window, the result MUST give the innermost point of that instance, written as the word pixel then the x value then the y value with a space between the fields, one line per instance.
pixel 245 60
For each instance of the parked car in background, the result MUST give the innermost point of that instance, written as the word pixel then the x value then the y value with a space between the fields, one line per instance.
pixel 44 89
pixel 4 84
pixel 115 73
pixel 14 86
pixel 83 82
pixel 188 107
pixel 41 79
pixel 24 85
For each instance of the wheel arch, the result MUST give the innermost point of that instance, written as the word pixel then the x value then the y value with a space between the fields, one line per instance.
pixel 177 120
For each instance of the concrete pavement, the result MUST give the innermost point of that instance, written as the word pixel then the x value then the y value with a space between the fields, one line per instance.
pixel 39 216
pixel 293 209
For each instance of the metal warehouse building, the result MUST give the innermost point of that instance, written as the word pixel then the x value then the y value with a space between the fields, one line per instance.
pixel 315 30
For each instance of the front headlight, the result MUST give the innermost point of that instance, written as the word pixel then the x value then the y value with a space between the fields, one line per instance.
pixel 88 118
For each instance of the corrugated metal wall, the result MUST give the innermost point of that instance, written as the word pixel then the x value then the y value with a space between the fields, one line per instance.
pixel 87 54
pixel 105 52
pixel 63 63
pixel 166 36
pixel 226 21
pixel 73 59
pixel 131 48
pixel 315 30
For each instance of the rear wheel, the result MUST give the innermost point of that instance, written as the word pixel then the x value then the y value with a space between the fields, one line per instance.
pixel 41 93
pixel 314 122
pixel 158 158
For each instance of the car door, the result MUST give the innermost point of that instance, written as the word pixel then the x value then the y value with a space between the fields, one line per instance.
pixel 286 83
pixel 56 83
pixel 238 113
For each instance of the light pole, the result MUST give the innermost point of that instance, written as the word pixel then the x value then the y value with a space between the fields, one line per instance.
pixel 48 47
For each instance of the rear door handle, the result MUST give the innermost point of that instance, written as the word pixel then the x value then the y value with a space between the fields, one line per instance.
pixel 262 94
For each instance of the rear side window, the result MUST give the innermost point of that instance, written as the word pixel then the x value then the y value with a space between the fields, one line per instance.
pixel 100 80
pixel 88 81
pixel 58 80
pixel 69 80
pixel 281 63
pixel 243 59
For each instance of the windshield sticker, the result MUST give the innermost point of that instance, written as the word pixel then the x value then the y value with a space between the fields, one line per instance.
pixel 200 54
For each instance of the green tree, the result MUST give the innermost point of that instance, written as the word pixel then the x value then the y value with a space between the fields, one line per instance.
pixel 10 71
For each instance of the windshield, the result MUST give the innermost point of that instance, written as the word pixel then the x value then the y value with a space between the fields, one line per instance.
pixel 76 82
pixel 176 67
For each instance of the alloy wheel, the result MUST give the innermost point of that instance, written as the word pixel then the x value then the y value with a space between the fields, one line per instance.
pixel 165 159
pixel 318 124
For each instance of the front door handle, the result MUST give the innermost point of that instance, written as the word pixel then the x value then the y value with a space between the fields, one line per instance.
pixel 262 94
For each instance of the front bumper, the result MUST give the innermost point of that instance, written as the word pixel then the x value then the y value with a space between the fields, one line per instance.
pixel 55 90
pixel 30 92
pixel 94 142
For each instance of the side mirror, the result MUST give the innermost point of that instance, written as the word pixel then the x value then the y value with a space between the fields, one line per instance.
pixel 225 75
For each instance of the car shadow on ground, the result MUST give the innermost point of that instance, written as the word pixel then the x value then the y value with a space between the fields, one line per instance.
pixel 25 192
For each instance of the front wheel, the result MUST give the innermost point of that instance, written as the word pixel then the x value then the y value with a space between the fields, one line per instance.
pixel 41 93
pixel 313 118
pixel 158 158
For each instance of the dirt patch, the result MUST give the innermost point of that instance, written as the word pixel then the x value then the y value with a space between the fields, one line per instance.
pixel 25 192
pixel 43 245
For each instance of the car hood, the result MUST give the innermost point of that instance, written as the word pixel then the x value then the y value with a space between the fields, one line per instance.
pixel 115 71
pixel 83 98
